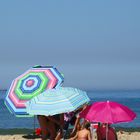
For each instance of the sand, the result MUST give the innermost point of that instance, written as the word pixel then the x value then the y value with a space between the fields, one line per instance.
pixel 121 136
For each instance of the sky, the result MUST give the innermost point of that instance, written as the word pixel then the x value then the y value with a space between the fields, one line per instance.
pixel 95 44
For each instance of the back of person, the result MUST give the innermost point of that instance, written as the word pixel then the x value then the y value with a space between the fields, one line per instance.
pixel 111 134
pixel 101 133
pixel 83 134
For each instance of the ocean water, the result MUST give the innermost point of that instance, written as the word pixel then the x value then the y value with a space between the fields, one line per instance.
pixel 128 98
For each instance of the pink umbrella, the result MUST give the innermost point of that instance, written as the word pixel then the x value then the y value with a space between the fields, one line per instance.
pixel 108 112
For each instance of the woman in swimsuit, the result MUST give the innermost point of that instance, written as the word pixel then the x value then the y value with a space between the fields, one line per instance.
pixel 83 134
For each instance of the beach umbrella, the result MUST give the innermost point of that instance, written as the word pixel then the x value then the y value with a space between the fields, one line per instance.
pixel 108 112
pixel 57 101
pixel 28 85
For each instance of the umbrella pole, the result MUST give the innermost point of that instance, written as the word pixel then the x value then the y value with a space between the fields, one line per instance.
pixel 34 126
pixel 107 131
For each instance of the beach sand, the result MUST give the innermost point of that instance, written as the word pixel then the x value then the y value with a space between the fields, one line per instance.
pixel 121 136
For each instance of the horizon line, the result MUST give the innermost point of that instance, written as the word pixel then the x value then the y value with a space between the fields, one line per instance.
pixel 90 90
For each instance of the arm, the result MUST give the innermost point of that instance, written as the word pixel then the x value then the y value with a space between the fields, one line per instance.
pixel 76 123
pixel 75 137
pixel 89 135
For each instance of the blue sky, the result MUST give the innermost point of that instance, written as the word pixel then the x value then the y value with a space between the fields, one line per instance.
pixel 94 43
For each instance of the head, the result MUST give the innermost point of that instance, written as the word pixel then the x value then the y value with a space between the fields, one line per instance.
pixel 105 125
pixel 87 125
pixel 99 124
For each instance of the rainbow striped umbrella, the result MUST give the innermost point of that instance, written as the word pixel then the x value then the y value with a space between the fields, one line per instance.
pixel 57 101
pixel 28 85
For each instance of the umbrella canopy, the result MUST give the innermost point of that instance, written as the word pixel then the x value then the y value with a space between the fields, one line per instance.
pixel 108 112
pixel 57 101
pixel 33 82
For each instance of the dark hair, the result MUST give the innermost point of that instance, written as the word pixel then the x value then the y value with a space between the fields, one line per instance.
pixel 87 125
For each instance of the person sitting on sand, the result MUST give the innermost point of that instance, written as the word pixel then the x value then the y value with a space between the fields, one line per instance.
pixel 83 134
pixel 106 132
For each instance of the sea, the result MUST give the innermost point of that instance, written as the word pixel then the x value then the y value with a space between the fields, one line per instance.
pixel 127 98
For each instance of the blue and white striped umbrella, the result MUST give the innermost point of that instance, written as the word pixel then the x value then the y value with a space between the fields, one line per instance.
pixel 57 101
